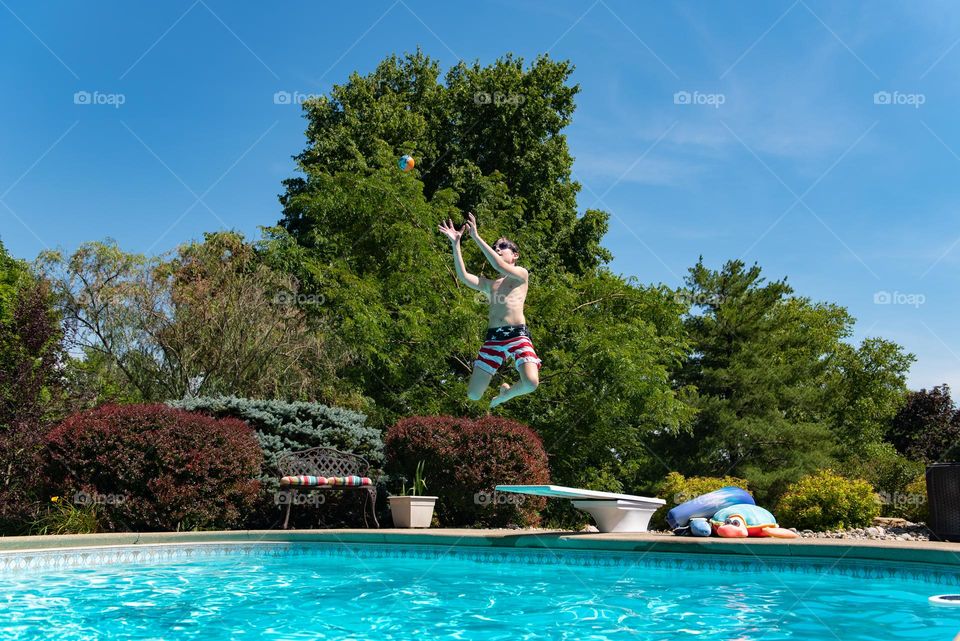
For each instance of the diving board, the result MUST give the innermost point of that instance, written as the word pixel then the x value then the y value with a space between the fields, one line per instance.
pixel 613 512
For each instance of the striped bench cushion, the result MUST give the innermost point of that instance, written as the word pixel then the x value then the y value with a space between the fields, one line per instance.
pixel 314 481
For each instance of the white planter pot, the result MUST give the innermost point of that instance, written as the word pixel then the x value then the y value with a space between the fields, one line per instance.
pixel 412 511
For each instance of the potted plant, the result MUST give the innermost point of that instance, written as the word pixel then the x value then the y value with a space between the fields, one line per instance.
pixel 413 509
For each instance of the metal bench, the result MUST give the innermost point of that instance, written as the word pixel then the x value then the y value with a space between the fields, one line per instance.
pixel 323 463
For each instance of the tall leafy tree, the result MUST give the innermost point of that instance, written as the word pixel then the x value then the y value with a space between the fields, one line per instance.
pixel 607 389
pixel 210 319
pixel 489 140
pixel 491 135
pixel 99 291
pixel 14 274
pixel 864 388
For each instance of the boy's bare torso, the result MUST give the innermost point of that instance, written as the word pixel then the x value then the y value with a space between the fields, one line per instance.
pixel 507 296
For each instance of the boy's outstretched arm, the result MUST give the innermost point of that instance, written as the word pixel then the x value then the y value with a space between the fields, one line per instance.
pixel 493 257
pixel 470 280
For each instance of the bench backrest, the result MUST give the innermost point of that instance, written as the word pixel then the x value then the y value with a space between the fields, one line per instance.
pixel 322 461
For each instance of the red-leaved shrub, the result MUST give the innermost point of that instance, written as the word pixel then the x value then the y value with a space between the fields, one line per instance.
pixel 151 467
pixel 464 459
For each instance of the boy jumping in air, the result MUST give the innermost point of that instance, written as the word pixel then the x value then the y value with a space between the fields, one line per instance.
pixel 507 334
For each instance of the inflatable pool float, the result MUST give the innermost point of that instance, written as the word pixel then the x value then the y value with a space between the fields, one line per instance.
pixel 706 505
pixel 741 521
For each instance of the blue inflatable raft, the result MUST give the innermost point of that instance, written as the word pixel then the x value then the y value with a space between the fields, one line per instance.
pixel 706 505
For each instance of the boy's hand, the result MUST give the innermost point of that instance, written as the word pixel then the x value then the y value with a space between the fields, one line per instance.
pixel 471 225
pixel 451 232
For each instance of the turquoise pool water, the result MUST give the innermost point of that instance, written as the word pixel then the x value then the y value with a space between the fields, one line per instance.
pixel 325 591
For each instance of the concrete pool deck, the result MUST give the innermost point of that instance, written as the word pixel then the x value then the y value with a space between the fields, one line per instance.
pixel 932 552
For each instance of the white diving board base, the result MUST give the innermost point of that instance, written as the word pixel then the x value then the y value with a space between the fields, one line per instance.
pixel 613 512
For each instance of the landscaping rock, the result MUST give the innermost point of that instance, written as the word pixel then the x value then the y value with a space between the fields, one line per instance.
pixel 902 531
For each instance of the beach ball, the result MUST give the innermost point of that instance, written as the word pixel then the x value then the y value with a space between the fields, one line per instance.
pixel 406 162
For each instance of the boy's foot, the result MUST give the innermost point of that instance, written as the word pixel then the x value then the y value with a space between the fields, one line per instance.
pixel 501 397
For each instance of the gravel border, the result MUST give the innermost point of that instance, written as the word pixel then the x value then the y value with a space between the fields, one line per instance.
pixel 906 532
pixel 902 532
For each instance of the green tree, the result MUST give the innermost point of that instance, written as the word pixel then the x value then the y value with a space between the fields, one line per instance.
pixel 779 392
pixel 865 388
pixel 100 291
pixel 211 318
pixel 491 135
pixel 607 389
pixel 365 235
pixel 14 274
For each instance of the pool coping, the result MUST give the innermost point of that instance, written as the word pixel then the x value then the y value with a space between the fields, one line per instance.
pixel 925 552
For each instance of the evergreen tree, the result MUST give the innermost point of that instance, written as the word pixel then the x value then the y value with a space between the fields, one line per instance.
pixel 778 391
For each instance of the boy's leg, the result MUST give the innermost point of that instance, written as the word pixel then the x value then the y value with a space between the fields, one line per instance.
pixel 479 381
pixel 529 380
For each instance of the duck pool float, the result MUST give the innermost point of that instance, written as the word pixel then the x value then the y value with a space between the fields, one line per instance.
pixel 743 520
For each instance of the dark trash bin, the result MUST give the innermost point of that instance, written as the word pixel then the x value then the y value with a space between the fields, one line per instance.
pixel 943 500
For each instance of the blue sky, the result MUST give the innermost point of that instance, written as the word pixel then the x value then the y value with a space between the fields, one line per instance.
pixel 818 139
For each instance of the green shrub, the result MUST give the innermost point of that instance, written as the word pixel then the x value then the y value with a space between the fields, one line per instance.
pixel 890 473
pixel 911 504
pixel 677 489
pixel 828 501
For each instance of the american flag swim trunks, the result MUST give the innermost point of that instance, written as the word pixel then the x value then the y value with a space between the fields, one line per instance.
pixel 503 343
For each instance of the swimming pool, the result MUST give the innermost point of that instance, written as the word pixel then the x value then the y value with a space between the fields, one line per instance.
pixel 365 591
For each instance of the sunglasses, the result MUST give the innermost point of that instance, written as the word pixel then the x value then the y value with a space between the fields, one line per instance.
pixel 504 245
